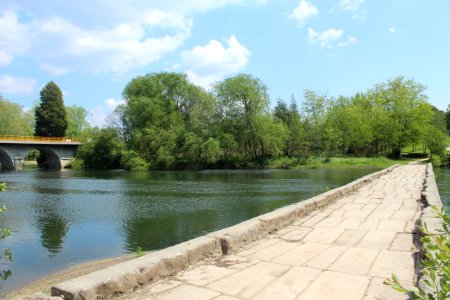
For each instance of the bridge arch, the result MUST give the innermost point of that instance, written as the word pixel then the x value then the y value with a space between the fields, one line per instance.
pixel 53 159
pixel 6 162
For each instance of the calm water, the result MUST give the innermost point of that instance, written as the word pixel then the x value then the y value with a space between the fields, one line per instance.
pixel 62 218
pixel 443 182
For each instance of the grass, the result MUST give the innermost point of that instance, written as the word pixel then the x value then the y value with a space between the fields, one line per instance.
pixel 29 163
pixel 335 162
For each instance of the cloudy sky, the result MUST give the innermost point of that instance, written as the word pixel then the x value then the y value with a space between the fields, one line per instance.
pixel 93 48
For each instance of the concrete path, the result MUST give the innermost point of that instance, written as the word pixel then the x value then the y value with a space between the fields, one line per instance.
pixel 343 251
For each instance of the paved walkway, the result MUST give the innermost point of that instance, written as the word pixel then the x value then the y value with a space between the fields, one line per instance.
pixel 343 251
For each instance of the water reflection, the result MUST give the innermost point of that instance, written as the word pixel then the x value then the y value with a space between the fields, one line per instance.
pixel 49 208
pixel 443 182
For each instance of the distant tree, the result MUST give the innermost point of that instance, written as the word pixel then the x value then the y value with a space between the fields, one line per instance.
pixel 104 151
pixel 76 119
pixel 14 120
pixel 51 114
pixel 447 118
pixel 243 100
pixel 405 105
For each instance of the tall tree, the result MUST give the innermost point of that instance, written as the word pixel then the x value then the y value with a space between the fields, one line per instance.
pixel 76 119
pixel 407 109
pixel 14 120
pixel 243 99
pixel 51 114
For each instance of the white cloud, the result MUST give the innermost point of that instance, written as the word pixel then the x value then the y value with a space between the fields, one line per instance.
pixel 55 70
pixel 210 63
pixel 5 59
pixel 351 40
pixel 111 103
pixel 303 12
pixel 17 85
pixel 392 30
pixel 351 5
pixel 116 36
pixel 100 113
pixel 325 39
pixel 14 37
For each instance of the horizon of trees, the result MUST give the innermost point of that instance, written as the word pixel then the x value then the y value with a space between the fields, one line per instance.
pixel 167 122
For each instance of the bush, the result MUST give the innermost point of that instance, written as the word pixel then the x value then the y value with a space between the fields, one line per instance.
pixel 75 164
pixel 104 152
pixel 132 161
pixel 435 266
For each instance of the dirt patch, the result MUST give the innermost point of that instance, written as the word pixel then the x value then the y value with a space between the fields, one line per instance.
pixel 44 285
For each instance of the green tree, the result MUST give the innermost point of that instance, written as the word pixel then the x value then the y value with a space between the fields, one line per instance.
pixel 168 121
pixel 447 118
pixel 76 120
pixel 295 134
pixel 243 100
pixel 314 110
pixel 14 120
pixel 51 115
pixel 104 151
pixel 407 109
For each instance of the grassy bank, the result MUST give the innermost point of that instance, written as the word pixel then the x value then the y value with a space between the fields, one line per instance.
pixel 335 162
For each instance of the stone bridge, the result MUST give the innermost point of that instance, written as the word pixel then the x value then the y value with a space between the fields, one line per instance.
pixel 58 151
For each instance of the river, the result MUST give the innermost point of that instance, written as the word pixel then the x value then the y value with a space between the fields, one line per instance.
pixel 443 182
pixel 61 218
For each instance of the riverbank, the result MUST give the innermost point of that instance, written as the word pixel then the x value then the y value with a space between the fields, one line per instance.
pixel 336 162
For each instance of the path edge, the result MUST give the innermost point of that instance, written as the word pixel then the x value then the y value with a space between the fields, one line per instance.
pixel 428 218
pixel 130 275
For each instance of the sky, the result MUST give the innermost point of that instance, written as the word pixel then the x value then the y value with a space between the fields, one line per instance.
pixel 92 48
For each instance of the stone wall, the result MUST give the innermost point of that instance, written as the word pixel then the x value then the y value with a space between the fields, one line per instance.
pixel 434 224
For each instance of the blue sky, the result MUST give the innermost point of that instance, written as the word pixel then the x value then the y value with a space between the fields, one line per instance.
pixel 93 48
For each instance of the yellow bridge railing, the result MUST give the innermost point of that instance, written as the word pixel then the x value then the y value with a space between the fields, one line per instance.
pixel 39 139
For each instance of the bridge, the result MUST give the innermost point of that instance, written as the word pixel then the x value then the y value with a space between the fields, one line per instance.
pixel 58 150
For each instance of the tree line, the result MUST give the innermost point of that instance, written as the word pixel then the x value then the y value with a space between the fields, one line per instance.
pixel 167 122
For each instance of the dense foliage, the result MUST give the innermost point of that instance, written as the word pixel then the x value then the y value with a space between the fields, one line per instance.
pixel 167 123
pixel 14 120
pixel 51 115
pixel 76 121
pixel 105 150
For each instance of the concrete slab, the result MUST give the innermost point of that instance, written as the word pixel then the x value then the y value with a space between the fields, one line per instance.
pixel 336 286
pixel 355 261
pixel 250 281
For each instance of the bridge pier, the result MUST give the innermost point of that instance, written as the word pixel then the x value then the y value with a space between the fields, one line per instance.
pixel 18 163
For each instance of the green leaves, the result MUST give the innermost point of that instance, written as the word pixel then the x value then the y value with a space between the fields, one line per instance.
pixel 14 120
pixel 51 115
pixel 435 265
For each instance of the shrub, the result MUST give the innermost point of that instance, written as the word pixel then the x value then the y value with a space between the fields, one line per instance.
pixel 132 161
pixel 435 265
